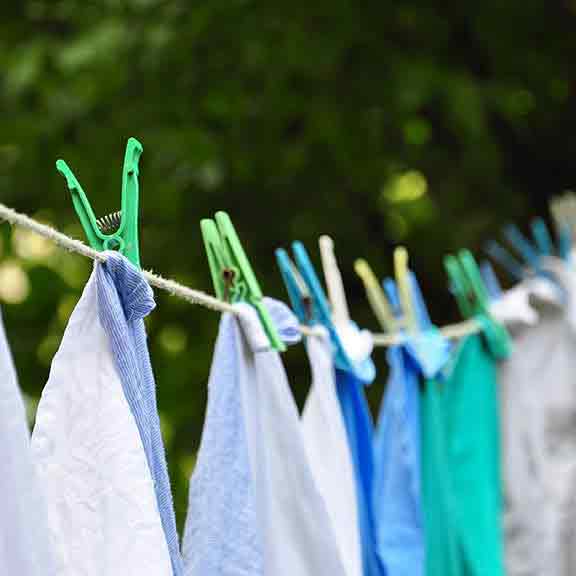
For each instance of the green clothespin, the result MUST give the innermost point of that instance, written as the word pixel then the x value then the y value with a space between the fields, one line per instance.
pixel 473 299
pixel 476 284
pixel 232 275
pixel 458 285
pixel 119 230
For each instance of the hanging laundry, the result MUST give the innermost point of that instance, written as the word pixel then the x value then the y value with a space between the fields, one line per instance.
pixel 360 430
pixel 329 454
pixel 538 440
pixel 254 505
pixel 461 469
pixel 441 553
pixel 357 347
pixel 104 513
pixel 25 547
pixel 124 300
pixel 397 486
pixel 351 350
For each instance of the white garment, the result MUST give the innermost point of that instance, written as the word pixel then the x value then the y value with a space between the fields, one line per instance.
pixel 297 534
pixel 103 515
pixel 538 393
pixel 24 538
pixel 329 453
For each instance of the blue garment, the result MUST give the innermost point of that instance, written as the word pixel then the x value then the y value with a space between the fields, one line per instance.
pixel 221 534
pixel 397 490
pixel 124 299
pixel 359 429
pixel 396 497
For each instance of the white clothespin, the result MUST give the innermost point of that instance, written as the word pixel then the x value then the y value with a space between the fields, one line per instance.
pixel 334 283
pixel 357 343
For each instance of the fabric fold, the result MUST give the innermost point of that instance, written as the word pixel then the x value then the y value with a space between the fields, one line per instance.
pixel 25 546
pixel 124 299
pixel 538 436
pixel 461 461
pixel 329 454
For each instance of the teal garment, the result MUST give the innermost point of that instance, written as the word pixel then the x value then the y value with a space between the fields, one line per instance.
pixel 460 467
pixel 440 543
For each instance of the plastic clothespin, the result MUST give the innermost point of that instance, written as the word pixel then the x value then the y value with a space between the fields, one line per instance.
pixel 232 275
pixel 391 290
pixel 523 246
pixel 322 307
pixel 404 288
pixel 497 335
pixel 376 296
pixel 563 209
pixel 423 320
pixel 541 236
pixel 334 282
pixel 505 259
pixel 119 230
pixel 468 285
pixel 491 280
pixel 300 298
pixel 532 255
pixel 458 286
pixel 481 301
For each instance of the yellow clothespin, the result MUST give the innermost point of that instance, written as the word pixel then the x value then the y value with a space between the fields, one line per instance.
pixel 404 289
pixel 376 297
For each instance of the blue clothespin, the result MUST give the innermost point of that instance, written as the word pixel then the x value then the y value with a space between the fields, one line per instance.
pixel 321 302
pixel 420 308
pixel 423 320
pixel 300 298
pixel 532 255
pixel 523 246
pixel 491 280
pixel 321 312
pixel 505 259
pixel 391 290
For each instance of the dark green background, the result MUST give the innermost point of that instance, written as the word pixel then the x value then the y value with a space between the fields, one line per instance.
pixel 299 118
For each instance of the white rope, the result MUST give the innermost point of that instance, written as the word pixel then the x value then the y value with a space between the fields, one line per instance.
pixel 72 245
pixel 189 294
pixel 452 332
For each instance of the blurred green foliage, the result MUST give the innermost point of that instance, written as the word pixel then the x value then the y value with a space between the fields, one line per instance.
pixel 377 122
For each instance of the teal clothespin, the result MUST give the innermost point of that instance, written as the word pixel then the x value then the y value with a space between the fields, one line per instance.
pixel 459 286
pixel 232 275
pixel 473 300
pixel 119 230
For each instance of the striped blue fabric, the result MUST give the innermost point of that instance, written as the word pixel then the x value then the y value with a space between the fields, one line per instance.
pixel 124 299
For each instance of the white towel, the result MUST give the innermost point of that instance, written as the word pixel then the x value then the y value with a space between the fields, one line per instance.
pixel 103 514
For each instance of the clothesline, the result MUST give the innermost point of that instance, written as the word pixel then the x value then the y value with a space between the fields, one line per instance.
pixel 192 295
